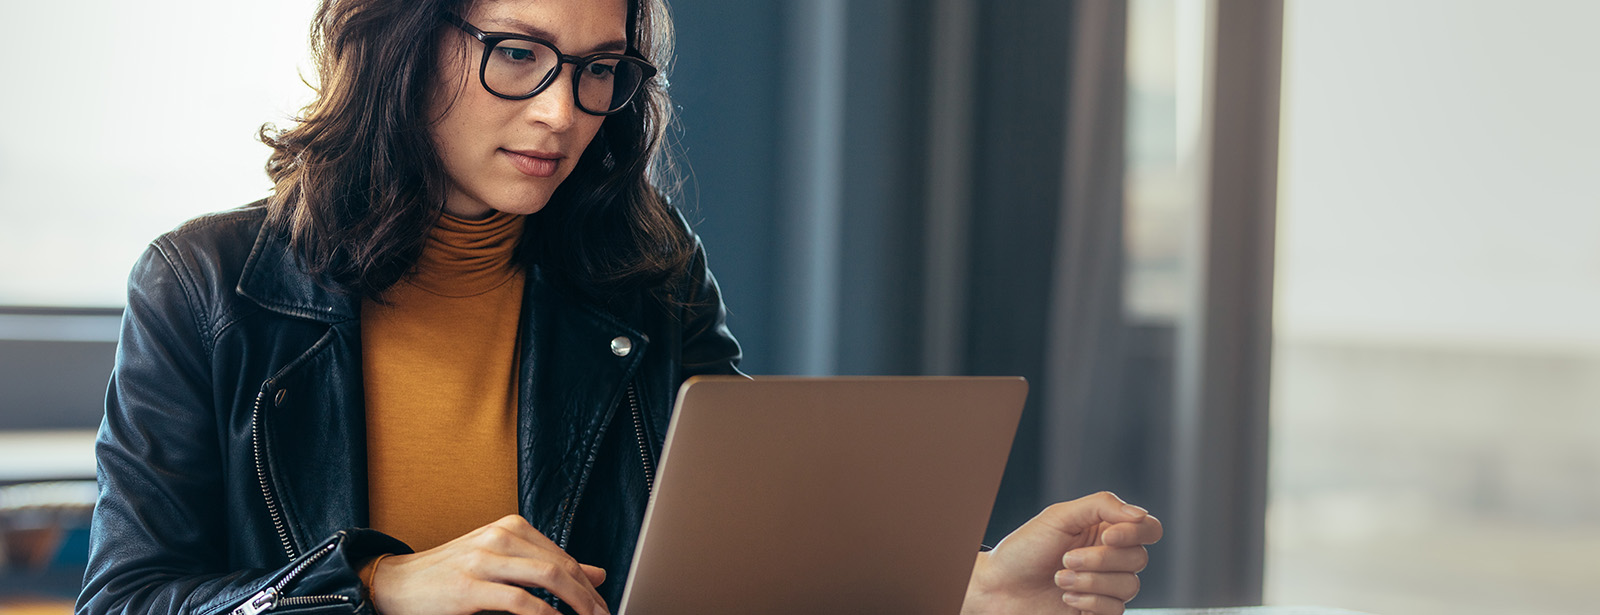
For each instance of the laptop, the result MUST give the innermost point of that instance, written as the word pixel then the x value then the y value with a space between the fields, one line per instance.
pixel 823 495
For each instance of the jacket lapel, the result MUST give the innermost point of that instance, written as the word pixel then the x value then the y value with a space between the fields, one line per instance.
pixel 576 364
pixel 274 279
pixel 313 406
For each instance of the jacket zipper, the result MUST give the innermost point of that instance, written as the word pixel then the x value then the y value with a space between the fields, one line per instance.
pixel 644 454
pixel 644 445
pixel 267 492
pixel 272 597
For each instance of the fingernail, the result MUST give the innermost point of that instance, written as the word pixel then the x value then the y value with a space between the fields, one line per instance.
pixel 1073 561
pixel 600 607
pixel 1076 599
pixel 1134 510
pixel 1065 579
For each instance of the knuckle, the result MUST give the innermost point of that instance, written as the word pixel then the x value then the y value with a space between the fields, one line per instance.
pixel 526 603
pixel 1093 559
pixel 1104 605
pixel 483 596
pixel 510 521
pixel 492 537
pixel 515 600
pixel 545 570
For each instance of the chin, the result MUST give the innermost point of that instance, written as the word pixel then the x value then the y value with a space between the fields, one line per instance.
pixel 522 204
pixel 522 209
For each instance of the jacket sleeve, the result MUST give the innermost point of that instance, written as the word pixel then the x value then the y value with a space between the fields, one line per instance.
pixel 159 536
pixel 709 348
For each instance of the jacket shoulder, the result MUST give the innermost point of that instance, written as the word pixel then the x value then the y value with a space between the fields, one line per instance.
pixel 218 235
pixel 203 258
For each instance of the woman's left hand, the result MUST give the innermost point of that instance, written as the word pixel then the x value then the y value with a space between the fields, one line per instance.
pixel 1076 557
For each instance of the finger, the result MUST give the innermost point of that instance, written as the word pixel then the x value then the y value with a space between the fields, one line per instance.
pixel 1106 559
pixel 561 576
pixel 1090 511
pixel 596 574
pixel 1146 531
pixel 513 535
pixel 494 597
pixel 1120 585
pixel 1094 603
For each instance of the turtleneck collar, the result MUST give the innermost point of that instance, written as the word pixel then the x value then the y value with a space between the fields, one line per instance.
pixel 463 258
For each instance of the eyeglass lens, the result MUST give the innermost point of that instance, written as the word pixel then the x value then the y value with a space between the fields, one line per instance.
pixel 517 67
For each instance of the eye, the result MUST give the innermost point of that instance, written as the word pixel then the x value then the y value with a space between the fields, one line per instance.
pixel 515 54
pixel 520 52
pixel 603 69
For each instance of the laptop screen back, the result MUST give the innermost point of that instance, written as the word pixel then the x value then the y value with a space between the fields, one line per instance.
pixel 827 495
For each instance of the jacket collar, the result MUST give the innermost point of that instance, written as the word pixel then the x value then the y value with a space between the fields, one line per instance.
pixel 573 378
pixel 273 278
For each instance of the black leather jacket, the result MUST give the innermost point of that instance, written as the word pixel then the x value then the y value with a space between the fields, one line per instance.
pixel 232 457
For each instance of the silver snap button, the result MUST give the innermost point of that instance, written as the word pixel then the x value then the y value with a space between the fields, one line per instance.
pixel 621 346
pixel 277 400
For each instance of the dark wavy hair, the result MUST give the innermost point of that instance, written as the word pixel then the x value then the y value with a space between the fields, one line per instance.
pixel 358 183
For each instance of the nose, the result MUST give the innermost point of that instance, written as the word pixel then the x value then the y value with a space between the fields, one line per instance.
pixel 556 106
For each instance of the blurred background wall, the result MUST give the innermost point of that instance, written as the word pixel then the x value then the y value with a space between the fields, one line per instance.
pixel 1436 406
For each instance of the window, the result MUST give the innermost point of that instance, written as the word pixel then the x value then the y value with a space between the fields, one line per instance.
pixel 122 121
pixel 1435 437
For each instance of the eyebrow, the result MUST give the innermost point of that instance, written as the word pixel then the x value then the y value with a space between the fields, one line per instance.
pixel 522 27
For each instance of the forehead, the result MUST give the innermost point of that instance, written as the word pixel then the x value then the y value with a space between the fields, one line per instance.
pixel 575 24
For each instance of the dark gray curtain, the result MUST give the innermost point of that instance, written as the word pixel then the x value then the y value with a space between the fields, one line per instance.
pixel 934 187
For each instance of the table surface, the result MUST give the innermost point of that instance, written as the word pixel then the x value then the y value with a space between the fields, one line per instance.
pixel 65 608
pixel 1248 610
pixel 35 455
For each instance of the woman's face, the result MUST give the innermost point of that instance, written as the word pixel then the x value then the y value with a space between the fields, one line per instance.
pixel 509 155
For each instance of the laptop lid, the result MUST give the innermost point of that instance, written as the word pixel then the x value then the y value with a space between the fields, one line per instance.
pixel 823 495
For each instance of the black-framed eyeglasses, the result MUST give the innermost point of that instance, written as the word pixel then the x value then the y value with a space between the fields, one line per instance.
pixel 519 67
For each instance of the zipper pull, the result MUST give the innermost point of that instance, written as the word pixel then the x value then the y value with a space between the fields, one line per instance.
pixel 259 603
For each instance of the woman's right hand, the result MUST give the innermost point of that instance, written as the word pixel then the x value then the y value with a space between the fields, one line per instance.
pixel 488 569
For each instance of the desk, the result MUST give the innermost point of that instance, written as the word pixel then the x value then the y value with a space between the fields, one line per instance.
pixel 56 455
pixel 1248 610
pixel 65 608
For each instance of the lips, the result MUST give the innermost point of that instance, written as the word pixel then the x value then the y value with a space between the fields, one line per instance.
pixel 534 163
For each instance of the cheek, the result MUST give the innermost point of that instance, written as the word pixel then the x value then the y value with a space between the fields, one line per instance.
pixel 464 123
pixel 450 93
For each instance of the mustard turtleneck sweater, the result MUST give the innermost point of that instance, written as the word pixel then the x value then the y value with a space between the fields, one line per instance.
pixel 438 358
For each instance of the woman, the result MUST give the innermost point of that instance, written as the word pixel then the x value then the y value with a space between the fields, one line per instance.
pixel 433 371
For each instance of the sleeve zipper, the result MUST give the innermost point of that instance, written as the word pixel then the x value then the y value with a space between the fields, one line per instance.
pixel 272 597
